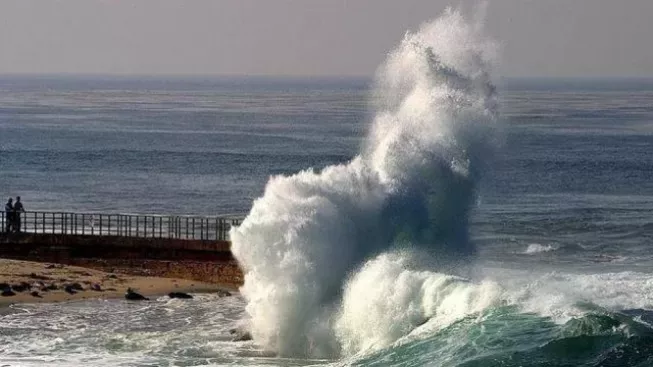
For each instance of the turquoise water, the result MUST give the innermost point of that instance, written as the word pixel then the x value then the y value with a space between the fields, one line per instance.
pixel 506 337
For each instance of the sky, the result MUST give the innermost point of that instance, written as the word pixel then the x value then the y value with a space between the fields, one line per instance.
pixel 539 38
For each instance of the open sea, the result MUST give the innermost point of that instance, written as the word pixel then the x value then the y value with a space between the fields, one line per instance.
pixel 561 221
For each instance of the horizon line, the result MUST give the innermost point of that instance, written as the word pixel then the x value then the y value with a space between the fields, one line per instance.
pixel 296 76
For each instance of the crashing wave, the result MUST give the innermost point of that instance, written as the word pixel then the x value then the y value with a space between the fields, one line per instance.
pixel 411 187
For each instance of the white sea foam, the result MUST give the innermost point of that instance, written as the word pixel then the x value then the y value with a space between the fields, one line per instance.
pixel 536 248
pixel 412 185
pixel 386 301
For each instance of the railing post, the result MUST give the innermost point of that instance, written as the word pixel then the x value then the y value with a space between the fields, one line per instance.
pixel 193 224
pixel 203 222
pixel 220 227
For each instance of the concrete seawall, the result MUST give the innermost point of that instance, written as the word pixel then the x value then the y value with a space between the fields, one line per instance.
pixel 208 261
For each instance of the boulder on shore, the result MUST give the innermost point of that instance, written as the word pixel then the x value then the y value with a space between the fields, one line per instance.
pixel 240 335
pixel 21 287
pixel 223 293
pixel 133 296
pixel 181 295
pixel 7 292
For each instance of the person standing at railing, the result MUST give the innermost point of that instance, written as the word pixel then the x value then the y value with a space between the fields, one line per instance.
pixel 18 209
pixel 9 215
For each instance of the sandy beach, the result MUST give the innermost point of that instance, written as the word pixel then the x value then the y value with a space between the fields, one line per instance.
pixel 33 282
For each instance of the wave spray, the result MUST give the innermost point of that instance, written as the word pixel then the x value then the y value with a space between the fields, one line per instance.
pixel 326 254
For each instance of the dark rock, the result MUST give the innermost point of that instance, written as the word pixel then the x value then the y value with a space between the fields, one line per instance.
pixel 96 287
pixel 181 295
pixel 112 276
pixel 36 294
pixel 240 335
pixel 133 296
pixel 4 286
pixel 223 293
pixel 21 287
pixel 52 287
pixel 77 287
pixel 69 289
pixel 7 292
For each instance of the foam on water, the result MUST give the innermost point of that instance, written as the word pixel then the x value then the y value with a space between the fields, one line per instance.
pixel 118 332
pixel 536 248
pixel 411 186
pixel 563 296
pixel 386 301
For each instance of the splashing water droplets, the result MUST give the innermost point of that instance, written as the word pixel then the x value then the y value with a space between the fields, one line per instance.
pixel 411 186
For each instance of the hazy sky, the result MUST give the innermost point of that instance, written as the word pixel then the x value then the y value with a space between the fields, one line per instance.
pixel 310 37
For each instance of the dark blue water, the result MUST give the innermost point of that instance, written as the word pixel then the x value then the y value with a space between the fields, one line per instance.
pixel 183 147
pixel 567 196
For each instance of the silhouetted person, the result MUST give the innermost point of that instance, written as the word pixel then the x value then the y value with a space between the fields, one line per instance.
pixel 9 215
pixel 18 209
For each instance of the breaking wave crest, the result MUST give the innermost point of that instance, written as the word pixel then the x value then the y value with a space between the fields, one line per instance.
pixel 327 254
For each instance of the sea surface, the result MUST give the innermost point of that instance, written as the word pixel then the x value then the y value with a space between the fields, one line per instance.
pixel 562 219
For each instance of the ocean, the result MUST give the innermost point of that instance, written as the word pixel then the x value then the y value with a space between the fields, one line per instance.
pixel 444 243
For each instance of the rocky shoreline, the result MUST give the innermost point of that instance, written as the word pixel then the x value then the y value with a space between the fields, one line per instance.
pixel 33 282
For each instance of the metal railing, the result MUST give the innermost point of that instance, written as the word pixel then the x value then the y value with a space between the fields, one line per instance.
pixel 126 225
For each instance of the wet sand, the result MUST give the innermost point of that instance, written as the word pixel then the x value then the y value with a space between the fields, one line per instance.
pixel 47 282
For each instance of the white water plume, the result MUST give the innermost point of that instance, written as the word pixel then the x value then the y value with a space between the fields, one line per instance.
pixel 386 301
pixel 412 186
